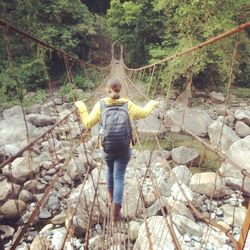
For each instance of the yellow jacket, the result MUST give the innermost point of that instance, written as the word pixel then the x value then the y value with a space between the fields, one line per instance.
pixel 135 112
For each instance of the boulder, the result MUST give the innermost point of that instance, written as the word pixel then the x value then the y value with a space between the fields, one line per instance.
pixel 178 207
pixel 160 236
pixel 5 190
pixel 34 186
pixel 151 124
pixel 59 219
pixel 221 135
pixel 48 109
pixel 10 150
pixel 184 155
pixel 13 131
pixel 233 215
pixel 208 183
pixel 241 129
pixel 182 173
pixel 132 202
pixel 12 209
pixel 134 227
pixel 156 207
pixel 39 120
pixel 21 169
pixel 6 232
pixel 216 97
pixel 33 109
pixel 196 121
pixel 239 152
pixel 185 225
pixel 76 167
pixel 243 115
pixel 25 196
pixel 40 243
pixel 180 192
pixel 85 195
pixel 14 111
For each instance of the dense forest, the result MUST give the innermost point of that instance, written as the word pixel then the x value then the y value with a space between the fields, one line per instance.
pixel 149 30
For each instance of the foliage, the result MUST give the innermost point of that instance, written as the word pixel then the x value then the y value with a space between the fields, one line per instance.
pixel 187 26
pixel 137 26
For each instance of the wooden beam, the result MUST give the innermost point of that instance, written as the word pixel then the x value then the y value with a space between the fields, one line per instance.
pixel 244 230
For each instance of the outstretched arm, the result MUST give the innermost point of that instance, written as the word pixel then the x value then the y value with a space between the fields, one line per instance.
pixel 91 119
pixel 137 112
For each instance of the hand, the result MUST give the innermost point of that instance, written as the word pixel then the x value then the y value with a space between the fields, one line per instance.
pixel 153 102
pixel 80 106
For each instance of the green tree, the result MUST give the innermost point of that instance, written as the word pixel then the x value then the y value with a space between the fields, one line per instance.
pixel 190 22
pixel 136 25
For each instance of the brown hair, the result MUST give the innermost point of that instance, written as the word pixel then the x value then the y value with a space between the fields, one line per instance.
pixel 114 88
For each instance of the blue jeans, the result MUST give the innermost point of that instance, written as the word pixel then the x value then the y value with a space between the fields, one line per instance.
pixel 116 167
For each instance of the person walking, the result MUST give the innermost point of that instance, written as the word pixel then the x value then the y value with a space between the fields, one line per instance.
pixel 114 115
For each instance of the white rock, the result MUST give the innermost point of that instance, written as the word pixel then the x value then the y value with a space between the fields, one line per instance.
pixel 233 215
pixel 241 129
pixel 208 183
pixel 180 192
pixel 243 115
pixel 197 121
pixel 184 155
pixel 239 152
pixel 159 235
pixel 21 168
pixel 183 174
pixel 221 135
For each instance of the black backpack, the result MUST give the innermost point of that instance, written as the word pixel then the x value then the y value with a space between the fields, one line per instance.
pixel 115 128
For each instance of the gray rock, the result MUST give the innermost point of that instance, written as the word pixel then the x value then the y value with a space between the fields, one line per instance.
pixel 216 97
pixel 10 150
pixel 196 121
pixel 209 184
pixel 53 203
pixel 44 214
pixel 179 208
pixel 59 219
pixel 221 135
pixel 12 209
pixel 14 111
pixel 34 109
pixel 239 152
pixel 184 155
pixel 21 168
pixel 157 206
pixel 233 215
pixel 241 129
pixel 39 120
pixel 243 115
pixel 48 109
pixel 6 232
pixel 159 235
pixel 34 186
pixel 87 199
pixel 5 190
pixel 40 243
pixel 180 192
pixel 186 225
pixel 25 196
pixel 183 174
pixel 134 227
pixel 13 131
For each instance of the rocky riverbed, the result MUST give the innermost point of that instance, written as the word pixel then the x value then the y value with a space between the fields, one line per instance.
pixel 222 197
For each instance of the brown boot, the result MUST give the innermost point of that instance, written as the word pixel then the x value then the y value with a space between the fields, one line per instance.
pixel 116 216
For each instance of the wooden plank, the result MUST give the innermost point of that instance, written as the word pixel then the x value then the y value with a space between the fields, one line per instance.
pixel 244 230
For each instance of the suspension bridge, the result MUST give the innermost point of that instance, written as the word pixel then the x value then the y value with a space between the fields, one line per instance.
pixel 87 206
